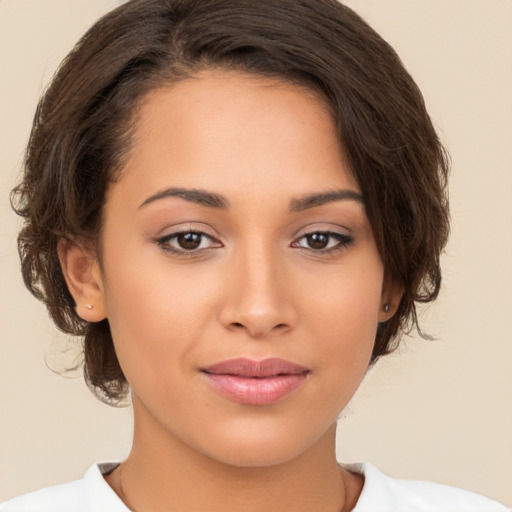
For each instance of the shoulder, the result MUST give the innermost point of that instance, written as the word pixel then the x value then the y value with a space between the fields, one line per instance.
pixel 383 493
pixel 90 494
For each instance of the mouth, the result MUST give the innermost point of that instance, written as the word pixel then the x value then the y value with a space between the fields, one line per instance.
pixel 255 382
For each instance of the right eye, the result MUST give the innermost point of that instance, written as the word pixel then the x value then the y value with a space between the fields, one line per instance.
pixel 187 242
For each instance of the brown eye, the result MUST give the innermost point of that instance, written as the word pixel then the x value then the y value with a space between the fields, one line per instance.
pixel 189 241
pixel 323 242
pixel 317 240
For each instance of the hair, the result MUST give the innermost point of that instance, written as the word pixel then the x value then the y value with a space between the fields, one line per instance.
pixel 84 122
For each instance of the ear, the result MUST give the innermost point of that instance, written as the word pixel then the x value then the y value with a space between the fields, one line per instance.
pixel 390 300
pixel 82 274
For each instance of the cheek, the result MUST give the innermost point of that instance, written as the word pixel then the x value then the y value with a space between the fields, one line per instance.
pixel 348 301
pixel 344 321
pixel 157 313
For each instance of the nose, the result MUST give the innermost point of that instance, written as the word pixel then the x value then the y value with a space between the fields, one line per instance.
pixel 258 298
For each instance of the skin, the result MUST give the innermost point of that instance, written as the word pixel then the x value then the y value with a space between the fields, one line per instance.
pixel 254 287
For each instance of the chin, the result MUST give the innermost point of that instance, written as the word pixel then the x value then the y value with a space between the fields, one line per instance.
pixel 256 458
pixel 262 447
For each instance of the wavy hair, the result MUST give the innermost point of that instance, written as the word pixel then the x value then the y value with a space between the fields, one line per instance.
pixel 83 125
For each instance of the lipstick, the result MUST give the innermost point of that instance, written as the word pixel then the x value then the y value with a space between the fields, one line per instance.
pixel 255 382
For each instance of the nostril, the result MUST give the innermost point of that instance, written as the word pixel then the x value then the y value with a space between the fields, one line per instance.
pixel 258 331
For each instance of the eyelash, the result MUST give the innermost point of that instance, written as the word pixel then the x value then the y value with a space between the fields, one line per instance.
pixel 344 241
pixel 164 242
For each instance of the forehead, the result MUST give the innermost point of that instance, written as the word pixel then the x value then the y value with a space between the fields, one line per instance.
pixel 237 132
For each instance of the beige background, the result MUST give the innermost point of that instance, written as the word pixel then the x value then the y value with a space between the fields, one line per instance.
pixel 439 410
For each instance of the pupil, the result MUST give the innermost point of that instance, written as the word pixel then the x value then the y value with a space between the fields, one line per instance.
pixel 318 241
pixel 189 240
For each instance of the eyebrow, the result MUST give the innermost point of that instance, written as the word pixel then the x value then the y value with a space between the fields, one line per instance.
pixel 197 196
pixel 319 199
pixel 213 200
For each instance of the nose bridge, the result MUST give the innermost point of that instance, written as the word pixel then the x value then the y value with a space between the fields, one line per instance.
pixel 257 300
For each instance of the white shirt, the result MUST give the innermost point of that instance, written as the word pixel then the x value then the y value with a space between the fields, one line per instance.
pixel 380 494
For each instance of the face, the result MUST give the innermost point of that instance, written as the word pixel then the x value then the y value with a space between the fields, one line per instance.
pixel 240 276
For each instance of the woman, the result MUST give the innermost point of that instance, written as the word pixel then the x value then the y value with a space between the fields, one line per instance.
pixel 238 205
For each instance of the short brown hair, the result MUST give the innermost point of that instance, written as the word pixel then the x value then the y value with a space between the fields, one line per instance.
pixel 83 124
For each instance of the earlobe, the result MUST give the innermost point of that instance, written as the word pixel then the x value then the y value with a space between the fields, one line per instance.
pixel 387 310
pixel 83 277
pixel 391 297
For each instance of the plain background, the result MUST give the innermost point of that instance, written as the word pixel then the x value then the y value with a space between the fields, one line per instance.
pixel 438 410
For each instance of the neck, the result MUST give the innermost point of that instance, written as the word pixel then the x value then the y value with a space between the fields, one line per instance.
pixel 164 474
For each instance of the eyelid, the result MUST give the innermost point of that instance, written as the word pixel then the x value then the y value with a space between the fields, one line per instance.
pixel 186 227
pixel 330 228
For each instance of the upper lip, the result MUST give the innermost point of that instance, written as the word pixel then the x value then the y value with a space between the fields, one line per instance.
pixel 244 367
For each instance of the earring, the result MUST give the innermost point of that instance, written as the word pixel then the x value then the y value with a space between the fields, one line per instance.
pixel 88 306
pixel 386 307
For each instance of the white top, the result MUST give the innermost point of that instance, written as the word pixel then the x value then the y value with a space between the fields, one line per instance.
pixel 380 494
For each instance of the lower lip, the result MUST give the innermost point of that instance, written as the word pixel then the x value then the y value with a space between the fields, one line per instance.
pixel 254 391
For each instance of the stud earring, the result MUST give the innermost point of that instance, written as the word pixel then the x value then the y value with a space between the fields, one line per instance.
pixel 88 306
pixel 386 307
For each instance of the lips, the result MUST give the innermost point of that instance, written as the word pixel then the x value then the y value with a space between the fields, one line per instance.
pixel 255 382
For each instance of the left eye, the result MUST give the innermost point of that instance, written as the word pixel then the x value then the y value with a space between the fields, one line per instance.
pixel 323 241
pixel 187 241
